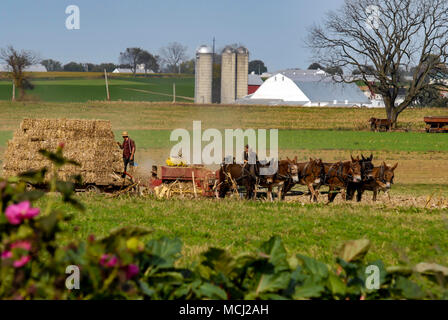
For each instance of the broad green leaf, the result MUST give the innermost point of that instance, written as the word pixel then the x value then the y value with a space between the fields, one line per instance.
pixel 409 289
pixel 307 291
pixel 272 282
pixel 164 252
pixel 276 253
pixel 314 267
pixel 336 285
pixel 354 250
pixel 208 290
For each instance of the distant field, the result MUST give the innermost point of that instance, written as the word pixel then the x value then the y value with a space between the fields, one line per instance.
pixel 83 90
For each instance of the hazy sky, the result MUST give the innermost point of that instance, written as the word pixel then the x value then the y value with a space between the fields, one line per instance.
pixel 272 30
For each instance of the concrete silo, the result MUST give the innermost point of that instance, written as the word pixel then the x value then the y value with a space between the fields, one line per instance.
pixel 242 72
pixel 203 75
pixel 228 76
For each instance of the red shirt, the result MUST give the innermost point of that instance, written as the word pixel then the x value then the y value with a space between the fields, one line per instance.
pixel 127 147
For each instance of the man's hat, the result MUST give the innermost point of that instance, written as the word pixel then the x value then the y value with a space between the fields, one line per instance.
pixel 125 134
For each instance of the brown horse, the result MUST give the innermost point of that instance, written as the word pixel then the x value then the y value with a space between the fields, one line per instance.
pixel 233 175
pixel 378 124
pixel 311 173
pixel 366 175
pixel 340 174
pixel 287 173
pixel 383 178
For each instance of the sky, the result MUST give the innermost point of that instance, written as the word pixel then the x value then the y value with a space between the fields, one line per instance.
pixel 273 31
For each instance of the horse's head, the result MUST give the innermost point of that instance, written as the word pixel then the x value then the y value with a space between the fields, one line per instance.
pixel 388 175
pixel 317 170
pixel 367 167
pixel 293 169
pixel 355 169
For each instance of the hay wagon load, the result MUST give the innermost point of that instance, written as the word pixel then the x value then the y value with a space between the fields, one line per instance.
pixel 91 143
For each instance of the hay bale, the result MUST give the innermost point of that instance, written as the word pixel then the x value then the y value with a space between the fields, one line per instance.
pixel 89 142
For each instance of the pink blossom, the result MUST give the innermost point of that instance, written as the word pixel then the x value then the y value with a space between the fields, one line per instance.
pixel 108 260
pixel 16 213
pixel 6 255
pixel 132 271
pixel 25 245
pixel 21 262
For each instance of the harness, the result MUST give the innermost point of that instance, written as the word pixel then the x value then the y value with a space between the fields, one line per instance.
pixel 339 174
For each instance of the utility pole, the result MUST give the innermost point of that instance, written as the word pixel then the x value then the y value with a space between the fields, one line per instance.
pixel 107 86
pixel 174 92
pixel 13 90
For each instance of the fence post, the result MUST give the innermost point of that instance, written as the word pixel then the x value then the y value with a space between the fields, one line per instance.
pixel 107 85
pixel 13 90
pixel 174 92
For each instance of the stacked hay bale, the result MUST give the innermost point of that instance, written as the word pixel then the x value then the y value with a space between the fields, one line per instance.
pixel 91 143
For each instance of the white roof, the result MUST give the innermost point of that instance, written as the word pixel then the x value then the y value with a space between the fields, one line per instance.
pixel 127 70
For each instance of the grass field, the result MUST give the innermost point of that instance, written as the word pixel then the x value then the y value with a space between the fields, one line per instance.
pixel 398 235
pixel 83 90
pixel 409 227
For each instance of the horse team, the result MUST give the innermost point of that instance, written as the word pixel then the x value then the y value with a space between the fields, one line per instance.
pixel 349 177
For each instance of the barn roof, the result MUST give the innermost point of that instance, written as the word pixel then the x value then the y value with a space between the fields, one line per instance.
pixel 255 80
pixel 330 91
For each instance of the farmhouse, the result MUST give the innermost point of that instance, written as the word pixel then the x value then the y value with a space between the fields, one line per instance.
pixel 305 89
pixel 140 69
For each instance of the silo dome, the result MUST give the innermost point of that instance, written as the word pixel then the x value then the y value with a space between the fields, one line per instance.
pixel 242 50
pixel 228 49
pixel 204 49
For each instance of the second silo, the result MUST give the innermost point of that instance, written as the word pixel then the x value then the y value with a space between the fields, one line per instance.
pixel 203 75
pixel 242 72
pixel 228 76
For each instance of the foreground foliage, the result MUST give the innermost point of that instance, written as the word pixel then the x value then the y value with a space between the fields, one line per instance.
pixel 122 266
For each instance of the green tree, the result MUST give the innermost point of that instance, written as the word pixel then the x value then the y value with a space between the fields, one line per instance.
pixel 131 56
pixel 52 65
pixel 257 66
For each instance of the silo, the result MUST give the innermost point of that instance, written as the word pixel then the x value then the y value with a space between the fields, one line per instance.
pixel 203 75
pixel 228 76
pixel 242 72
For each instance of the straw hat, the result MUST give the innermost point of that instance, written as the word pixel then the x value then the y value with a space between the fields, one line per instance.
pixel 125 134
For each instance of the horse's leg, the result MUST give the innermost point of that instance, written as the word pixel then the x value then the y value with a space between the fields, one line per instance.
pixel 359 195
pixel 313 192
pixel 270 197
pixel 375 193
pixel 332 194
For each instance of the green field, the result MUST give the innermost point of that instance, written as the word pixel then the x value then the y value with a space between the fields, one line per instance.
pixel 412 227
pixel 398 235
pixel 83 90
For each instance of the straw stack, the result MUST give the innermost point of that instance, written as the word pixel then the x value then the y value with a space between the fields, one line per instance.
pixel 89 142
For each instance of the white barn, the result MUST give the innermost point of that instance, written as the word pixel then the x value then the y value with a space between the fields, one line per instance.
pixel 304 90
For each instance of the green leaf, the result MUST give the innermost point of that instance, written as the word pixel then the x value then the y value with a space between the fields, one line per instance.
pixel 273 282
pixel 336 285
pixel 314 267
pixel 354 250
pixel 164 252
pixel 126 232
pixel 409 289
pixel 208 290
pixel 146 289
pixel 308 290
pixel 276 254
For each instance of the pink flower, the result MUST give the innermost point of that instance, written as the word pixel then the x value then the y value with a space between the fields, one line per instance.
pixel 132 271
pixel 25 245
pixel 61 145
pixel 108 260
pixel 16 213
pixel 6 255
pixel 21 262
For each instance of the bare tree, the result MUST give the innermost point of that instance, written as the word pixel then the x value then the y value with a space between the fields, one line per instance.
pixel 17 62
pixel 173 55
pixel 389 35
pixel 149 61
pixel 131 56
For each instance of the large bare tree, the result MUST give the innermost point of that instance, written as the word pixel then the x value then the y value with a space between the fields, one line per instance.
pixel 173 55
pixel 17 61
pixel 389 35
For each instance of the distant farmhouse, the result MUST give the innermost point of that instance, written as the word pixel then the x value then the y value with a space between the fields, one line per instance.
pixel 310 88
pixel 140 69
pixel 33 68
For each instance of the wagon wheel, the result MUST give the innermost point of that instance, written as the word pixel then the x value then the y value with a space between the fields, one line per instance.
pixel 93 189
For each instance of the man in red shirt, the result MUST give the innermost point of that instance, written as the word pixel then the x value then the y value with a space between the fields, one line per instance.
pixel 128 147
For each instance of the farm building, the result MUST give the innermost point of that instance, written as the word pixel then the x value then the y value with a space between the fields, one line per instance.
pixel 140 69
pixel 306 90
pixel 254 82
